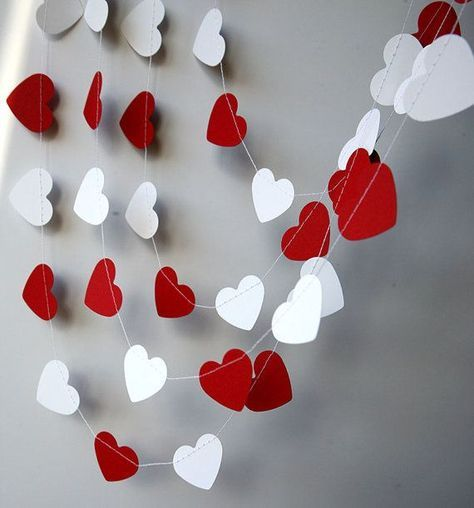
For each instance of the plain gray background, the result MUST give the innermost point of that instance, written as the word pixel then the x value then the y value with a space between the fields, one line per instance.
pixel 383 410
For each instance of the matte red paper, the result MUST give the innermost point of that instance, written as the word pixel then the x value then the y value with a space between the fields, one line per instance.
pixel 172 300
pixel 29 102
pixel 135 122
pixel 224 123
pixel 230 384
pixel 102 295
pixel 312 240
pixel 366 192
pixel 271 386
pixel 37 292
pixel 116 462
pixel 435 20
pixel 93 106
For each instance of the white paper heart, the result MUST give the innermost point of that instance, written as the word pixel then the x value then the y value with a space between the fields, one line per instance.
pixel 29 197
pixel 96 14
pixel 59 16
pixel 297 320
pixel 271 198
pixel 91 205
pixel 209 45
pixel 140 214
pixel 143 376
pixel 200 465
pixel 140 27
pixel 54 392
pixel 241 307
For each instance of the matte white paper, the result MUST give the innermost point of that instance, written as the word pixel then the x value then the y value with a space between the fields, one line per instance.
pixel 140 215
pixel 209 45
pixel 271 198
pixel 91 205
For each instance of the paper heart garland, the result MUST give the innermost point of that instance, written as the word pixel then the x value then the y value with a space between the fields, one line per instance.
pixel 172 300
pixel 311 237
pixel 29 102
pixel 96 14
pixel 115 462
pixel 103 296
pixel 200 465
pixel 57 16
pixel 365 199
pixel 209 45
pixel 93 105
pixel 271 198
pixel 54 392
pixel 435 20
pixel 140 214
pixel 38 294
pixel 225 127
pixel 241 307
pixel 91 205
pixel 135 122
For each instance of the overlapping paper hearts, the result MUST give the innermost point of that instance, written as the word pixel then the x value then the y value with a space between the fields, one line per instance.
pixel 435 20
pixel 116 462
pixel 103 296
pixel 54 392
pixel 173 300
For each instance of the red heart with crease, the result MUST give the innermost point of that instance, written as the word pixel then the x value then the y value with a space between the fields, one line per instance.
pixel 93 106
pixel 364 197
pixel 230 384
pixel 102 295
pixel 435 20
pixel 37 292
pixel 271 385
pixel 29 102
pixel 135 122
pixel 116 462
pixel 224 123
pixel 172 300
pixel 311 237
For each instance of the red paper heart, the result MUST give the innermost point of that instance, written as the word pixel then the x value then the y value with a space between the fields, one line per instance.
pixel 435 20
pixel 311 237
pixel 29 102
pixel 225 127
pixel 172 300
pixel 230 384
pixel 364 197
pixel 116 462
pixel 102 295
pixel 93 106
pixel 271 386
pixel 135 122
pixel 37 292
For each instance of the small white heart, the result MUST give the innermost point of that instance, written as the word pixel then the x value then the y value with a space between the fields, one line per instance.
pixel 209 45
pixel 140 214
pixel 91 205
pixel 59 16
pixel 271 198
pixel 96 14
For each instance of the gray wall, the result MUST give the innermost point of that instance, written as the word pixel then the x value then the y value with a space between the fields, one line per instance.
pixel 383 410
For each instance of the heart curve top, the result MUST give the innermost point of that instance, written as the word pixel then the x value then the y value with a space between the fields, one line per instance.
pixel 209 45
pixel 96 14
pixel 91 205
pixel 103 296
pixel 37 293
pixel 172 300
pixel 29 102
pixel 271 198
pixel 93 106
pixel 140 27
pixel 435 20
pixel 54 392
pixel 59 16
pixel 140 215
pixel 115 462
pixel 225 127
pixel 135 122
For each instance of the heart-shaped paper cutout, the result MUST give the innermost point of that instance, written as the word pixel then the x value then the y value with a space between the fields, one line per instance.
pixel 115 462
pixel 225 127
pixel 102 295
pixel 271 198
pixel 172 300
pixel 209 45
pixel 91 205
pixel 228 383
pixel 140 214
pixel 96 14
pixel 135 122
pixel 38 294
pixel 93 105
pixel 435 20
pixel 57 16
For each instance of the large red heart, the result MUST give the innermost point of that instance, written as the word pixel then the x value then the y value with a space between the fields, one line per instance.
pixel 93 106
pixel 228 383
pixel 116 462
pixel 225 127
pixel 37 292
pixel 172 300
pixel 310 238
pixel 435 20
pixel 364 197
pixel 102 295
pixel 29 102
pixel 271 386
pixel 135 122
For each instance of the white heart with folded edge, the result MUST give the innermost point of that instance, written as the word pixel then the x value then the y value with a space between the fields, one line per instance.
pixel 200 465
pixel 241 307
pixel 29 197
pixel 91 205
pixel 365 137
pixel 297 320
pixel 271 198
pixel 59 16
pixel 140 214
pixel 96 13
pixel 209 45
pixel 54 392
pixel 143 376
pixel 140 27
